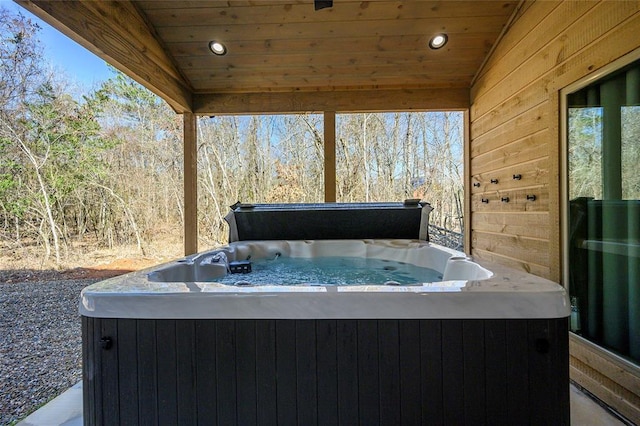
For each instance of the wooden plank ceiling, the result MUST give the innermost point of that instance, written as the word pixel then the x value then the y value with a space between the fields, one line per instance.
pixel 285 55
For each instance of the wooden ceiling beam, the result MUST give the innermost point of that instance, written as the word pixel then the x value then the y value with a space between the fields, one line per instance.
pixel 116 32
pixel 342 85
pixel 222 13
pixel 330 30
pixel 339 101
pixel 466 44
pixel 269 64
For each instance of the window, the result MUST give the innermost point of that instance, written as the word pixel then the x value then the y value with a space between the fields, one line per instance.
pixel 603 191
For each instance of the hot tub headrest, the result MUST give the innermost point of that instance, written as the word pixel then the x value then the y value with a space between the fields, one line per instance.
pixel 329 221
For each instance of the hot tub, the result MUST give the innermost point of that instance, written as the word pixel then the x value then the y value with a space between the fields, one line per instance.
pixel 485 345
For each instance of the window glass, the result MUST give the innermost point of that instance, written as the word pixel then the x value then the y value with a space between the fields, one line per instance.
pixel 604 211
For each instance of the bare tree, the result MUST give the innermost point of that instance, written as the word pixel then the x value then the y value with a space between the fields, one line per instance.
pixel 110 165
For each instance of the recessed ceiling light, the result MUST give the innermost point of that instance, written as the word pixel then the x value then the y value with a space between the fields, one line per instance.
pixel 438 41
pixel 217 47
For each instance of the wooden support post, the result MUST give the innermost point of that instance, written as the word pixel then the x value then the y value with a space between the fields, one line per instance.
pixel 190 184
pixel 330 156
pixel 466 230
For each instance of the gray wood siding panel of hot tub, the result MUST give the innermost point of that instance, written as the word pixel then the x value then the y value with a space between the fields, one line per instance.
pixel 147 379
pixel 206 360
pixel 347 359
pixel 496 372
pixel 325 372
pixel 327 365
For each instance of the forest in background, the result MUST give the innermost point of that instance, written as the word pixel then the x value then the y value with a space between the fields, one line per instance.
pixel 585 152
pixel 107 166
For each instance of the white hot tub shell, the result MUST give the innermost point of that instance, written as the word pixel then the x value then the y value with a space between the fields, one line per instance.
pixel 487 345
pixel 187 288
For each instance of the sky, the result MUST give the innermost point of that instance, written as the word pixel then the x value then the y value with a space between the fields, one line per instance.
pixel 61 52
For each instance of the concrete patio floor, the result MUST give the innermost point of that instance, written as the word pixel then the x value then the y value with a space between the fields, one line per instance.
pixel 66 410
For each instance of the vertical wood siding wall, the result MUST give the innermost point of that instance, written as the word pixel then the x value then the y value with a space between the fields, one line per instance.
pixel 515 123
pixel 515 130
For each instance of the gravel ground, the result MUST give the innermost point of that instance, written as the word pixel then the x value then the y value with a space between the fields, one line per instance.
pixel 40 343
